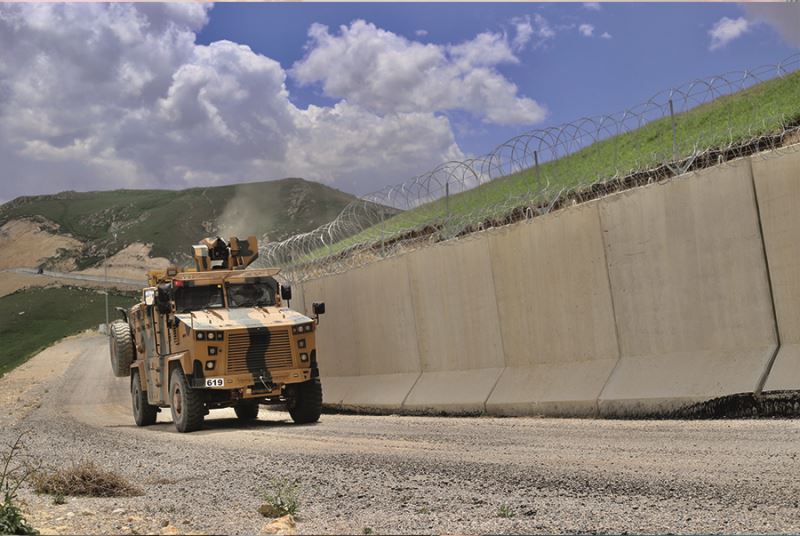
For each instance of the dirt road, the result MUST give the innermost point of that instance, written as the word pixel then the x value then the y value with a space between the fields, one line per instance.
pixel 395 474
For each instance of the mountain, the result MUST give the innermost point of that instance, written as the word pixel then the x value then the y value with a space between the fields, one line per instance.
pixel 172 220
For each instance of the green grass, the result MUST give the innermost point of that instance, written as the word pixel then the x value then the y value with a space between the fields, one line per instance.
pixel 760 109
pixel 49 315
pixel 174 220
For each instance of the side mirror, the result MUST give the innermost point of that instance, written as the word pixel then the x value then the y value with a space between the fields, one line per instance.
pixel 163 299
pixel 149 296
pixel 286 292
pixel 319 309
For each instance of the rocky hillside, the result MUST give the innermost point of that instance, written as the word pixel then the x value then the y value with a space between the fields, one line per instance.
pixel 92 224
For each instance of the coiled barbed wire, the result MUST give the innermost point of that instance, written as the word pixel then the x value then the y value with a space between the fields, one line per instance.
pixel 545 169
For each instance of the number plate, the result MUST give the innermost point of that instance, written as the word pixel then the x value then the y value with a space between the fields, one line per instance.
pixel 215 382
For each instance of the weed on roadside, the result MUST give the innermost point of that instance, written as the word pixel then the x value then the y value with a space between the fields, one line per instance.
pixel 84 478
pixel 59 498
pixel 14 474
pixel 281 499
pixel 367 530
pixel 505 511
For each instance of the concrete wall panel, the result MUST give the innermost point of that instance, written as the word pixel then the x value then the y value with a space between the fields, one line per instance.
pixel 367 341
pixel 777 179
pixel 457 325
pixel 556 314
pixel 690 289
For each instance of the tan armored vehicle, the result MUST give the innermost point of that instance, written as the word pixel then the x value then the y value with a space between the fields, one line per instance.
pixel 217 336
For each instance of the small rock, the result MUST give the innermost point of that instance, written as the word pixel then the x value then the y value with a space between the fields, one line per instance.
pixel 165 523
pixel 70 514
pixel 87 513
pixel 282 525
pixel 119 511
pixel 170 529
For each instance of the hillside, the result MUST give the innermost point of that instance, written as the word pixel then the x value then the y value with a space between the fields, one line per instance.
pixel 173 220
pixel 764 109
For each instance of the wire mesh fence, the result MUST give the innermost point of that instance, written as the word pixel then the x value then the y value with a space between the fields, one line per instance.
pixel 698 124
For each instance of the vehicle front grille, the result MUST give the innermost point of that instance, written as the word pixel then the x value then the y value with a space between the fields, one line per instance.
pixel 257 349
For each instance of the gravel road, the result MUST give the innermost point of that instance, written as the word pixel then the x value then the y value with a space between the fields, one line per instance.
pixel 395 474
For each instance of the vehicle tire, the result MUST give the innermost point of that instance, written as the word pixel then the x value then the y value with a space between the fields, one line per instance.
pixel 247 410
pixel 122 348
pixel 143 413
pixel 305 406
pixel 186 403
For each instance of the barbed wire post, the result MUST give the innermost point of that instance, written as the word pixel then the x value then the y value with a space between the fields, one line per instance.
pixel 674 132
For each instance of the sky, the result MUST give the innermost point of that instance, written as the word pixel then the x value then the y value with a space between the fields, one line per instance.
pixel 357 96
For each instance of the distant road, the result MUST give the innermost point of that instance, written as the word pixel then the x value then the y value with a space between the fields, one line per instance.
pixel 80 277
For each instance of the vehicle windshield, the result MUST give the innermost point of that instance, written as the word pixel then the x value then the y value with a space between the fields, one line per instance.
pixel 251 295
pixel 196 298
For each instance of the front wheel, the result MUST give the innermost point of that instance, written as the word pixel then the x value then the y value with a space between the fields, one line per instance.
pixel 143 413
pixel 186 403
pixel 305 403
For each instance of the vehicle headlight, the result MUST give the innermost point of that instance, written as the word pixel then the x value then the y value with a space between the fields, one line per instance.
pixel 211 336
pixel 201 336
pixel 303 357
pixel 301 343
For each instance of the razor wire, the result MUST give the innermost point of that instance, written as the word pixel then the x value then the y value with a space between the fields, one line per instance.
pixel 545 169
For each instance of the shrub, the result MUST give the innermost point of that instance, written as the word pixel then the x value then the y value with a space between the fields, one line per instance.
pixel 84 478
pixel 13 475
pixel 281 500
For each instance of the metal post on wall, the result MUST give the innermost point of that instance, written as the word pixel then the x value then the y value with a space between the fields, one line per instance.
pixel 674 133
pixel 447 198
pixel 538 171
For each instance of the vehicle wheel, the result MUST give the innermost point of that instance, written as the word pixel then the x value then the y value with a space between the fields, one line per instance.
pixel 305 405
pixel 143 413
pixel 186 403
pixel 246 410
pixel 122 349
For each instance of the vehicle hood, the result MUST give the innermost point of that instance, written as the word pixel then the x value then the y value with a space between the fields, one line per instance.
pixel 246 317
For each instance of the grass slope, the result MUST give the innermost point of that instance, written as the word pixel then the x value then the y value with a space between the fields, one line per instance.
pixel 49 315
pixel 760 109
pixel 174 220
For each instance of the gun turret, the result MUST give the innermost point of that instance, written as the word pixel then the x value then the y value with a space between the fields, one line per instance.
pixel 216 254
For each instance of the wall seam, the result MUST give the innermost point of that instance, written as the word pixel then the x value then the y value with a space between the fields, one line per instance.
pixel 762 380
pixel 407 265
pixel 499 326
pixel 613 311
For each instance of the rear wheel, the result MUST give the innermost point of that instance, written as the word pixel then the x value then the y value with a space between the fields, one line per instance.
pixel 143 413
pixel 305 403
pixel 122 349
pixel 247 410
pixel 186 403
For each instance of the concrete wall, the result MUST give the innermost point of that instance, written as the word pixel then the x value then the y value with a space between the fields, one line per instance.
pixel 457 327
pixel 556 314
pixel 638 303
pixel 777 180
pixel 367 341
pixel 690 289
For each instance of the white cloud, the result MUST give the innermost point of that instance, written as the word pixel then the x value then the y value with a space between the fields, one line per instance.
pixel 421 33
pixel 534 29
pixel 586 30
pixel 106 96
pixel 784 17
pixel 605 35
pixel 386 74
pixel 592 5
pixel 726 30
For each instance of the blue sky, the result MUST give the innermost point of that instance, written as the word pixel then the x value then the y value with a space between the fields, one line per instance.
pixel 653 46
pixel 358 96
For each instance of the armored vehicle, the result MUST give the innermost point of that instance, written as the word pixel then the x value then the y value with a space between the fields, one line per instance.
pixel 216 336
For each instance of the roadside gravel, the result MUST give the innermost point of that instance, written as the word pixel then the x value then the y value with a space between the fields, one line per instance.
pixel 397 474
